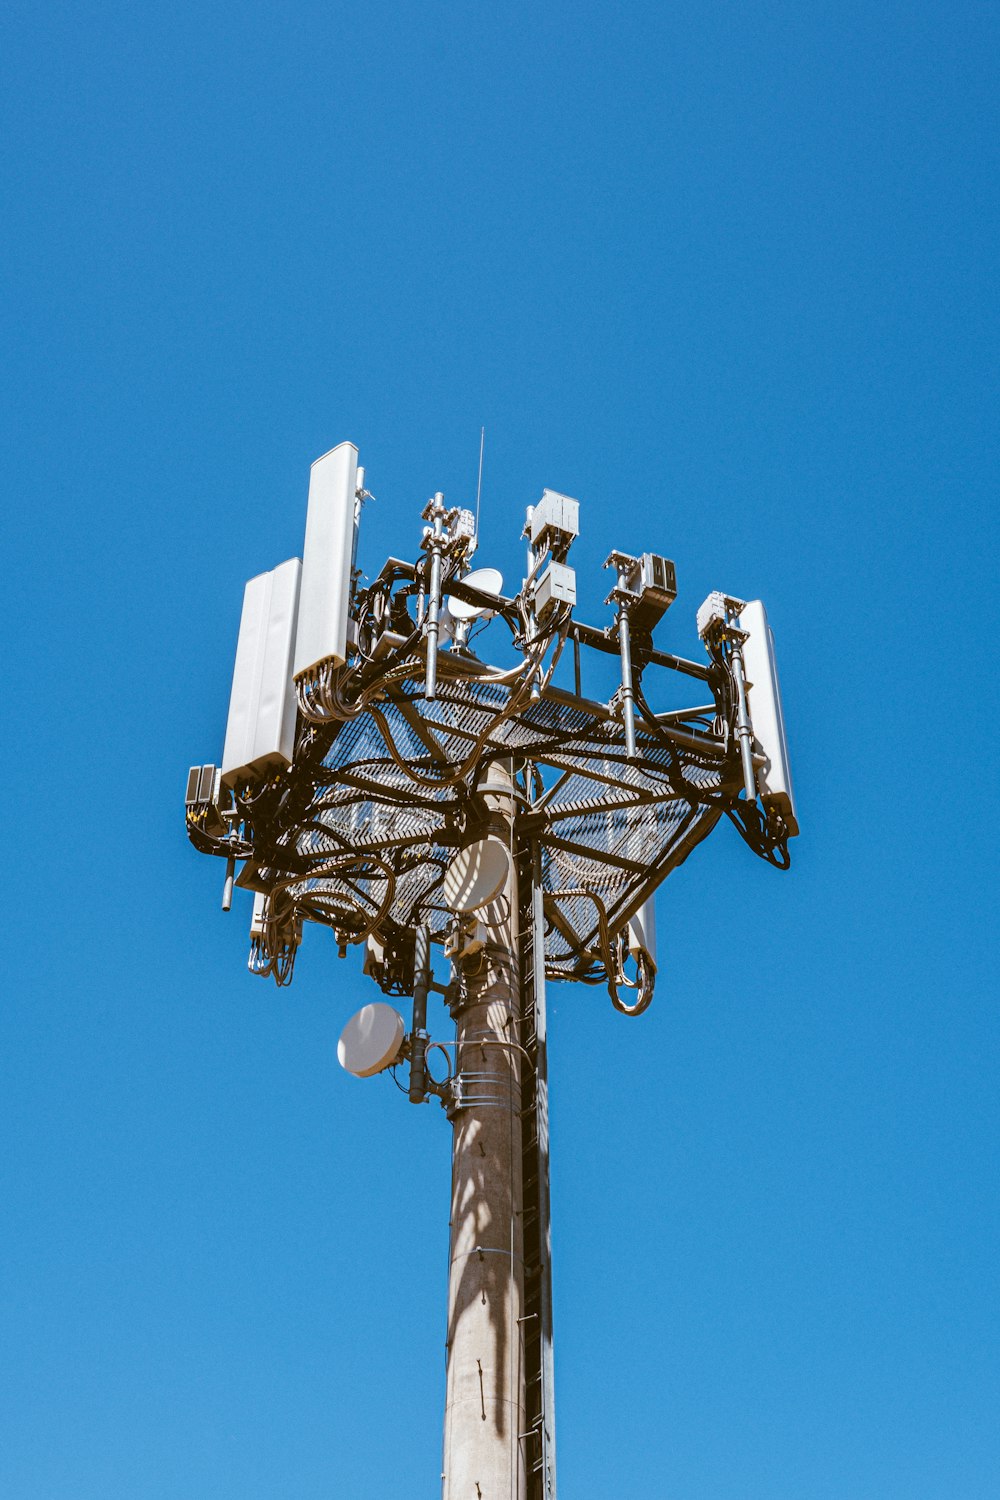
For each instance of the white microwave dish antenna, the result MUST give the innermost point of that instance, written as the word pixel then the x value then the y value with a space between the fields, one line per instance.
pixel 476 875
pixel 489 580
pixel 372 1039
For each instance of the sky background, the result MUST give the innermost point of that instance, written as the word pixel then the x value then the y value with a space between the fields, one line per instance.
pixel 727 273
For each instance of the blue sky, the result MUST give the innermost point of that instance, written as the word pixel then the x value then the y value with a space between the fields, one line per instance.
pixel 727 273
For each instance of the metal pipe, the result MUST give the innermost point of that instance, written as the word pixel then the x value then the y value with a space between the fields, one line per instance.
pixel 432 626
pixel 528 516
pixel 591 636
pixel 534 562
pixel 628 698
pixel 703 743
pixel 418 1031
pixel 675 714
pixel 227 889
pixel 744 730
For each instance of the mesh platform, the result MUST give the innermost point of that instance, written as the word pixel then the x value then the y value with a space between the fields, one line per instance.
pixel 370 844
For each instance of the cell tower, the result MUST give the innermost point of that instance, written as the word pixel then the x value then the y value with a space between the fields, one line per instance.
pixel 480 830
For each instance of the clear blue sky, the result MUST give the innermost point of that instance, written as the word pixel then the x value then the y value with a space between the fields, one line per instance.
pixel 727 272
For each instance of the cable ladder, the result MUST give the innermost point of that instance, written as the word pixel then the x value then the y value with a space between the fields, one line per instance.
pixel 536 1322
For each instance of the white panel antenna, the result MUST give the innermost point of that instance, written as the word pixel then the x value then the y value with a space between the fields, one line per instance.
pixel 327 559
pixel 766 716
pixel 260 732
pixel 258 917
pixel 642 933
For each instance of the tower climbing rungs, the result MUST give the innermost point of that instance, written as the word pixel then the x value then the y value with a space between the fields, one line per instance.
pixel 536 1320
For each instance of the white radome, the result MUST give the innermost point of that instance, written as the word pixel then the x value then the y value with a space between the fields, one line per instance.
pixel 371 1040
pixel 490 580
pixel 476 875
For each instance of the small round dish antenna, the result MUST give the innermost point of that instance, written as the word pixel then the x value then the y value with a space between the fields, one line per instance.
pixel 476 875
pixel 490 580
pixel 371 1040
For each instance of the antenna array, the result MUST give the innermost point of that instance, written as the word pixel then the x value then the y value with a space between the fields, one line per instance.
pixel 382 778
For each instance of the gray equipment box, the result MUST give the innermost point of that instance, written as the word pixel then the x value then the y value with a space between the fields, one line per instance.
pixel 557 585
pixel 555 521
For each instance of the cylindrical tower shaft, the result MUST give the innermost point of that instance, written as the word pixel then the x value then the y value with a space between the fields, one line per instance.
pixel 485 1405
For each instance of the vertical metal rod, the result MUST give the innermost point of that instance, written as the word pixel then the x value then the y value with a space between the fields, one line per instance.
pixel 628 700
pixel 418 1031
pixel 532 560
pixel 479 481
pixel 432 627
pixel 577 674
pixel 544 1210
pixel 227 889
pixel 359 500
pixel 744 729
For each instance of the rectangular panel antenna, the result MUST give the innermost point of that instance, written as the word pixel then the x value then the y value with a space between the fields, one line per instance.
pixel 642 932
pixel 258 917
pixel 260 733
pixel 766 716
pixel 327 560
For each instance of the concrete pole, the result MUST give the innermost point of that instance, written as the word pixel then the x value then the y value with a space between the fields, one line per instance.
pixel 484 1405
